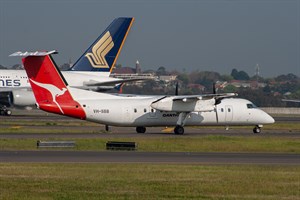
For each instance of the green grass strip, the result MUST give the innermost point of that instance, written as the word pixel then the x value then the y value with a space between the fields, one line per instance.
pixel 148 181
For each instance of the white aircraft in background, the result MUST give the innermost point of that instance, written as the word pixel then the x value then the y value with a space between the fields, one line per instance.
pixel 53 95
pixel 91 71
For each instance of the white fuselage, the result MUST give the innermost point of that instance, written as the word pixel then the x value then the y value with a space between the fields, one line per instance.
pixel 17 82
pixel 137 111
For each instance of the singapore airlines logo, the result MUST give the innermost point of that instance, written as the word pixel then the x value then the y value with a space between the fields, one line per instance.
pixel 55 91
pixel 99 51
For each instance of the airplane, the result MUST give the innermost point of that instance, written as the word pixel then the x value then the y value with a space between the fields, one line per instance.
pixel 91 71
pixel 53 94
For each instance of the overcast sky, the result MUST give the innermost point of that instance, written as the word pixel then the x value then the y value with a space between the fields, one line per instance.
pixel 211 35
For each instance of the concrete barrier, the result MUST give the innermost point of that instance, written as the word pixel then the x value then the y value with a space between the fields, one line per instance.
pixel 55 144
pixel 129 146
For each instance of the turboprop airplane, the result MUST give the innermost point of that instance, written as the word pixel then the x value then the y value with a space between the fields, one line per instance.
pixel 53 95
pixel 91 71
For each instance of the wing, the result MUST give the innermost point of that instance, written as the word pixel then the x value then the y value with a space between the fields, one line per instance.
pixel 114 82
pixel 189 103
pixel 203 97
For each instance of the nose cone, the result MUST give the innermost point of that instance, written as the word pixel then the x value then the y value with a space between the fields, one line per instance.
pixel 267 119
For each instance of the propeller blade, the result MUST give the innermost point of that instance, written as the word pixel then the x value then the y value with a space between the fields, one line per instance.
pixel 176 89
pixel 214 88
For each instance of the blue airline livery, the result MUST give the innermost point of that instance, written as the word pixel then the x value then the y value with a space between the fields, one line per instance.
pixel 103 53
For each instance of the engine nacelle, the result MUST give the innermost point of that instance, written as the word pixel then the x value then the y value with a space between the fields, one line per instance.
pixel 17 98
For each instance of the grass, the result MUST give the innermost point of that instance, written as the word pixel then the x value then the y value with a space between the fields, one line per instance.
pixel 176 144
pixel 147 181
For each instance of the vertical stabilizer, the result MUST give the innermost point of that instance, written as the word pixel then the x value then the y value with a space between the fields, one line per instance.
pixel 50 88
pixel 103 53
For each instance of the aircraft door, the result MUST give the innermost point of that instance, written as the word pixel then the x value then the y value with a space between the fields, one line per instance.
pixel 228 113
pixel 127 116
pixel 152 113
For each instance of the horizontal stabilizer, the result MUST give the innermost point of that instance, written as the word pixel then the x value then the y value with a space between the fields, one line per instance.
pixel 34 53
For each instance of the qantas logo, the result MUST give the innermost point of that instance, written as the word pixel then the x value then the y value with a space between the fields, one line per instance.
pixel 55 91
pixel 100 50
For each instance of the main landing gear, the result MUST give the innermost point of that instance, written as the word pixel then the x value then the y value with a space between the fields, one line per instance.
pixel 4 111
pixel 140 129
pixel 178 130
pixel 257 129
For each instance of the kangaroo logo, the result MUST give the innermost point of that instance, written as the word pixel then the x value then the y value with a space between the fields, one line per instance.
pixel 100 50
pixel 55 91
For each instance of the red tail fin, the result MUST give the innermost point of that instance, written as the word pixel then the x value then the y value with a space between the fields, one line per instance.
pixel 50 88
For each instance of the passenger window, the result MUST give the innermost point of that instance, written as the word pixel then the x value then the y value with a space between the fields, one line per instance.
pixel 145 110
pixel 222 109
pixel 135 110
pixel 229 110
pixel 152 110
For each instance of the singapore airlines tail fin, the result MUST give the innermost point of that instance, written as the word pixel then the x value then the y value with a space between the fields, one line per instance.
pixel 103 53
pixel 49 86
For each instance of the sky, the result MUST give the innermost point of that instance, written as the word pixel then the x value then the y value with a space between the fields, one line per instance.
pixel 182 35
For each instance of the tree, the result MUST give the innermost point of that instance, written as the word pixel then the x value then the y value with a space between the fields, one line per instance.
pixel 226 77
pixel 230 88
pixel 234 73
pixel 184 78
pixel 239 75
pixel 117 66
pixel 161 71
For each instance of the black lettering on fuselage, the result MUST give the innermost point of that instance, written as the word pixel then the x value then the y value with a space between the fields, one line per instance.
pixel 170 115
pixel 10 83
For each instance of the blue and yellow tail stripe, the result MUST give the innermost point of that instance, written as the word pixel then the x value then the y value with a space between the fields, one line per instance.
pixel 122 43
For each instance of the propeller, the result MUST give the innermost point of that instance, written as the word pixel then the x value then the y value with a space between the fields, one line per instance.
pixel 218 101
pixel 214 88
pixel 176 89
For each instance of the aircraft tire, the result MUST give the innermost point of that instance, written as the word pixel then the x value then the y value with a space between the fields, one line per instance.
pixel 179 130
pixel 8 112
pixel 140 129
pixel 256 130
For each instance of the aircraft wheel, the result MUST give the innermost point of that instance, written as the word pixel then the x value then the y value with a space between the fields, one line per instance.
pixel 8 112
pixel 2 112
pixel 256 129
pixel 140 129
pixel 106 127
pixel 179 130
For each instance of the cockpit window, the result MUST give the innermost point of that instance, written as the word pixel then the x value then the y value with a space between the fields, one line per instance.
pixel 251 105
